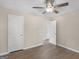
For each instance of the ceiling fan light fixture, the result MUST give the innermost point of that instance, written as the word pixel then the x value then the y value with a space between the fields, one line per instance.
pixel 50 9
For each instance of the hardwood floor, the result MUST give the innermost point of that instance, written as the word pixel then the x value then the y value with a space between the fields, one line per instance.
pixel 47 51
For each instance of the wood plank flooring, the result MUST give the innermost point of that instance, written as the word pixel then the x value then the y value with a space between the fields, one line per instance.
pixel 47 51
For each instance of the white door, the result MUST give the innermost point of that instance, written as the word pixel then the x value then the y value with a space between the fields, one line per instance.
pixel 52 32
pixel 15 32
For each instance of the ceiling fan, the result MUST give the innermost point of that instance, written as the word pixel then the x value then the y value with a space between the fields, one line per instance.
pixel 50 7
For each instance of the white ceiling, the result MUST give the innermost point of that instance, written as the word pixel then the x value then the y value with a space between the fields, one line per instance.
pixel 26 5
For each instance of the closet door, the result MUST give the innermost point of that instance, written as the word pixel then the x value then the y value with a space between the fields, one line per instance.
pixel 15 32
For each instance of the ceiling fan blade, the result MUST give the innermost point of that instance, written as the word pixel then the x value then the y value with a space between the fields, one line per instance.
pixel 56 11
pixel 63 4
pixel 39 7
pixel 44 12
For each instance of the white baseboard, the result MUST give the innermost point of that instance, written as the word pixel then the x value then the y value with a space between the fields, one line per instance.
pixel 68 48
pixel 52 42
pixel 33 46
pixel 1 54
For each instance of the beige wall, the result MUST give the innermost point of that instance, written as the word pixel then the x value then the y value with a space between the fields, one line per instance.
pixel 35 28
pixel 3 31
pixel 68 30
